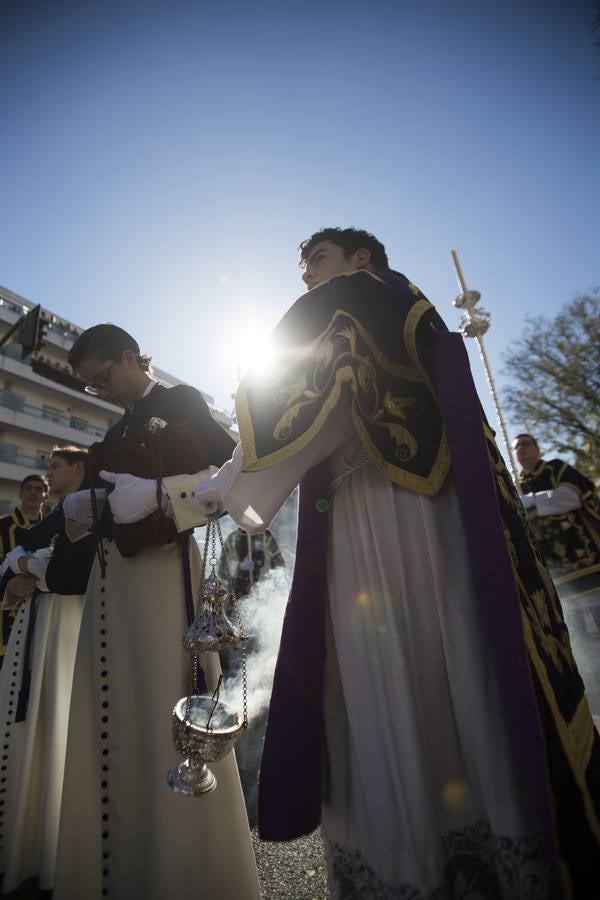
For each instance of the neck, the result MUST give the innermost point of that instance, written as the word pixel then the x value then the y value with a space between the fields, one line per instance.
pixel 75 486
pixel 30 513
pixel 141 386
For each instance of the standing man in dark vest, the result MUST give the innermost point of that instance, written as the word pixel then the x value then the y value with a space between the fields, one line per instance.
pixel 564 514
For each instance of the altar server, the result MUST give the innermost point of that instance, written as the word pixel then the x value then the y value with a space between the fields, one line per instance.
pixel 45 581
pixel 123 832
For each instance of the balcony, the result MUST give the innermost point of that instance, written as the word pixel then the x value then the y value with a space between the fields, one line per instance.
pixel 15 465
pixel 10 453
pixel 15 411
pixel 53 379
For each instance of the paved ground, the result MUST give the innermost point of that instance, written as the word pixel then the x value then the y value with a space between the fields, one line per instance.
pixel 294 870
pixel 289 871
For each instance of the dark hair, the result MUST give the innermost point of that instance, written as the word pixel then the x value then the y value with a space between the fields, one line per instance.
pixel 33 478
pixel 350 240
pixel 530 436
pixel 71 454
pixel 104 342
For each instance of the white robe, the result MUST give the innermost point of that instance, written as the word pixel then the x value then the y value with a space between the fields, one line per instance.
pixel 123 831
pixel 421 781
pixel 34 750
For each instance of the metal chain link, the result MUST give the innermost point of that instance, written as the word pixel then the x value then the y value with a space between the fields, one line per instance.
pixel 213 530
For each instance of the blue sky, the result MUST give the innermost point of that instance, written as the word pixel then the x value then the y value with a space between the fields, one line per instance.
pixel 162 161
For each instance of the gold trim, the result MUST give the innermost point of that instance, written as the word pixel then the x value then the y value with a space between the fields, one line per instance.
pixel 409 373
pixel 579 573
pixel 578 596
pixel 414 316
pixel 429 486
pixel 244 421
pixel 578 729
pixel 299 443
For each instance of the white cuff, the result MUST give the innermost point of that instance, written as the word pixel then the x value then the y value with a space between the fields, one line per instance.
pixel 179 492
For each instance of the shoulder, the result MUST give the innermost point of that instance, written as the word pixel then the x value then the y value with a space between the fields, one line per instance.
pixel 560 467
pixel 185 393
pixel 566 472
pixel 180 397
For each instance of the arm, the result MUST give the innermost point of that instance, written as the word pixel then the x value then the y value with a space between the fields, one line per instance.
pixel 17 589
pixel 562 499
pixel 253 498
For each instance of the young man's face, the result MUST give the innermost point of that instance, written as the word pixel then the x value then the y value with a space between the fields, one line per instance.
pixel 33 494
pixel 115 381
pixel 527 453
pixel 326 259
pixel 64 477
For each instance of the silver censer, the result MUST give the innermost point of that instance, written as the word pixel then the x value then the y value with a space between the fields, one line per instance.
pixel 205 728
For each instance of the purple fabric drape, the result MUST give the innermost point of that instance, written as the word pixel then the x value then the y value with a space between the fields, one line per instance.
pixel 289 800
pixel 491 567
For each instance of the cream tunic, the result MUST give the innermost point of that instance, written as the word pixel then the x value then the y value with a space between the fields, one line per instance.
pixel 123 832
pixel 34 750
pixel 423 791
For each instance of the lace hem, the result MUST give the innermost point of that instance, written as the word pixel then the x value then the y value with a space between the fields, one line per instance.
pixel 478 865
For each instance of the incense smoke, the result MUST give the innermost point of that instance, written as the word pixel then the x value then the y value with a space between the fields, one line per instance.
pixel 261 614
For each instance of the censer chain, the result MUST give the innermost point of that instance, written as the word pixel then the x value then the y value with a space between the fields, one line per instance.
pixel 213 530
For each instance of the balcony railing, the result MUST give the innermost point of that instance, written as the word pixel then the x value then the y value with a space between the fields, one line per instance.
pixel 10 453
pixel 18 403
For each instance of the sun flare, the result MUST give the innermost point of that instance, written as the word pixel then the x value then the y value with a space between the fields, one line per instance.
pixel 253 353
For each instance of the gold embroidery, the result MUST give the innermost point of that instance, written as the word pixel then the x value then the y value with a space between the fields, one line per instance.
pixel 540 616
pixel 345 353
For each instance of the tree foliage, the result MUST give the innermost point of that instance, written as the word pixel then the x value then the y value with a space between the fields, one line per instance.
pixel 555 373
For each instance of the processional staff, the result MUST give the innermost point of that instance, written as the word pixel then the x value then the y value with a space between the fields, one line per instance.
pixel 474 323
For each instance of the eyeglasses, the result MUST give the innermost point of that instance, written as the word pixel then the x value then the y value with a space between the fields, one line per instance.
pixel 100 382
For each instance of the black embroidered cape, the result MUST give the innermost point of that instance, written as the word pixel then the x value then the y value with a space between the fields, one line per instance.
pixel 364 329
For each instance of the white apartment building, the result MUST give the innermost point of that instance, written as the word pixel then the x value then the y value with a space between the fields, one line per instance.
pixel 43 404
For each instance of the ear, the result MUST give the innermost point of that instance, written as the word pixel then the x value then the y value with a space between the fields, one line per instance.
pixel 361 259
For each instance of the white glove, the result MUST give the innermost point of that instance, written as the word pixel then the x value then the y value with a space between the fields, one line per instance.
pixel 208 497
pixel 528 500
pixel 133 498
pixel 78 506
pixel 247 565
pixel 37 565
pixel 11 561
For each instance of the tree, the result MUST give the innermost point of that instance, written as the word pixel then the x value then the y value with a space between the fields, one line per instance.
pixel 555 370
